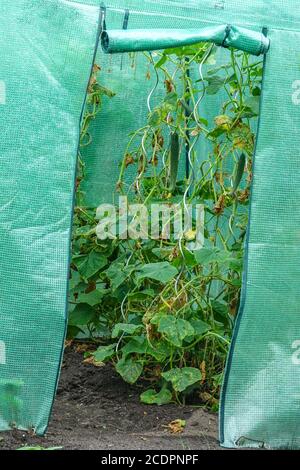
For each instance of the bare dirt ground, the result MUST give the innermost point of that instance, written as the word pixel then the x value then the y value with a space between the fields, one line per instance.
pixel 96 410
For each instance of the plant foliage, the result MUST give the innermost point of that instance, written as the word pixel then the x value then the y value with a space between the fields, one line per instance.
pixel 156 308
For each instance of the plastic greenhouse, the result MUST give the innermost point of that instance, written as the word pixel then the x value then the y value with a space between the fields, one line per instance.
pixel 49 48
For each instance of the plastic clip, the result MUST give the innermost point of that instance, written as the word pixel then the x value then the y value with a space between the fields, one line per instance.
pixel 265 42
pixel 125 26
pixel 227 33
pixel 126 19
pixel 102 17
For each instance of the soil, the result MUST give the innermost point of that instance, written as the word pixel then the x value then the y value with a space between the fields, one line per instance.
pixel 96 410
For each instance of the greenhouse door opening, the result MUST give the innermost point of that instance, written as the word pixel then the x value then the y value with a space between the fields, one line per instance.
pixel 163 186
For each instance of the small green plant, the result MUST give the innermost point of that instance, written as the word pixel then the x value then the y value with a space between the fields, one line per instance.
pixel 155 308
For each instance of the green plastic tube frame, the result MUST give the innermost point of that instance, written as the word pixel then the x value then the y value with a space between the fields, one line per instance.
pixel 119 41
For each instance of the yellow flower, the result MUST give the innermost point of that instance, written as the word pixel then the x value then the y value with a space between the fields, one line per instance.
pixel 190 235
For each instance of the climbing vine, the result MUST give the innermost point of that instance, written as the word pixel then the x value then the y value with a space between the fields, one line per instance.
pixel 159 309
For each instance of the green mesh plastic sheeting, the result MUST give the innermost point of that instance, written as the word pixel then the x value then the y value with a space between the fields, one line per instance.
pixel 261 392
pixel 278 14
pixel 47 53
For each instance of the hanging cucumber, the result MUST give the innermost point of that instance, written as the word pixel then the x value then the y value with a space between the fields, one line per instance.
pixel 240 168
pixel 174 161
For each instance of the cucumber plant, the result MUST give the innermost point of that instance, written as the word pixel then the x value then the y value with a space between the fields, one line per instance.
pixel 156 309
